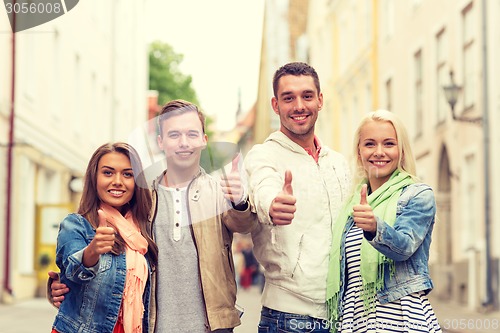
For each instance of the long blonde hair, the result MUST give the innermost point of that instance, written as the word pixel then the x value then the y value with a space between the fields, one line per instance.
pixel 406 160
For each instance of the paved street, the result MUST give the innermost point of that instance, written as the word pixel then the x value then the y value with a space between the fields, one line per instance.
pixel 36 315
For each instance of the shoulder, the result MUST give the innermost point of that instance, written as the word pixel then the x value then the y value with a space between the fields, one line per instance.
pixel 75 223
pixel 418 194
pixel 333 155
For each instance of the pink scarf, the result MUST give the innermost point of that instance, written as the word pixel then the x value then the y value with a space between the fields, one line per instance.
pixel 137 269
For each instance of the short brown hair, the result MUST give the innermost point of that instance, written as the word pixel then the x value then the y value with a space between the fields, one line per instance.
pixel 177 107
pixel 295 68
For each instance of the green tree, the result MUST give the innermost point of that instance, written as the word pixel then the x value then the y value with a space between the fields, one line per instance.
pixel 165 75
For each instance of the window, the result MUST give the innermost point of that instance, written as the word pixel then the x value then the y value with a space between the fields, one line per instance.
pixel 442 76
pixel 468 56
pixel 418 92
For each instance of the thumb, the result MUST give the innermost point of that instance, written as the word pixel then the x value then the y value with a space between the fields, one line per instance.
pixel 234 167
pixel 102 218
pixel 363 200
pixel 287 187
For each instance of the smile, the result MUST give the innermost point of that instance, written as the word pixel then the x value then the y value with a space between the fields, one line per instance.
pixel 116 193
pixel 299 118
pixel 184 153
pixel 379 163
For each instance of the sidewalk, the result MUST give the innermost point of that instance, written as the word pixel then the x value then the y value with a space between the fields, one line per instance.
pixel 34 315
pixel 455 318
pixel 37 315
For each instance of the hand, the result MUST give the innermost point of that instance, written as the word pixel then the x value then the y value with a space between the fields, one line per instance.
pixel 363 213
pixel 57 289
pixel 103 241
pixel 231 183
pixel 283 206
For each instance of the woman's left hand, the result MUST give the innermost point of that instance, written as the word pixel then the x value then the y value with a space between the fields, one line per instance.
pixel 363 213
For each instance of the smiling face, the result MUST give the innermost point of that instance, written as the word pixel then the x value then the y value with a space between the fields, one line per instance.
pixel 182 140
pixel 297 102
pixel 378 151
pixel 115 180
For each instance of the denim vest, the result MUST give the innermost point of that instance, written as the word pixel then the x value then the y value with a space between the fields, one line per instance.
pixel 95 293
pixel 407 242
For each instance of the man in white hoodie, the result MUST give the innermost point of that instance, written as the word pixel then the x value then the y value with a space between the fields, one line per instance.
pixel 297 187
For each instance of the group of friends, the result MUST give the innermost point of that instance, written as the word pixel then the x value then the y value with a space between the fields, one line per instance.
pixel 337 257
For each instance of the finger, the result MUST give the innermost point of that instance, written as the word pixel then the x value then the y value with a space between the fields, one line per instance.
pixel 102 218
pixel 363 200
pixel 287 186
pixel 236 161
pixel 53 275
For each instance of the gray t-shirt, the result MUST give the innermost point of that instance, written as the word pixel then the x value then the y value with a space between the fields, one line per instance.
pixel 180 299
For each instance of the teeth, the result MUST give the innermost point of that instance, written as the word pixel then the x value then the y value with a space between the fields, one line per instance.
pixel 379 163
pixel 300 118
pixel 116 192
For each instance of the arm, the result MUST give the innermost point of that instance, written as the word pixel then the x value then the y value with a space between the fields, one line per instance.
pixel 267 191
pixel 410 229
pixel 76 249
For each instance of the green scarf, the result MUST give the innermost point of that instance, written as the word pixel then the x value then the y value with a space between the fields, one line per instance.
pixel 384 204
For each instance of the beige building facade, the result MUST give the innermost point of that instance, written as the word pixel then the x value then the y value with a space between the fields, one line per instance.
pixel 69 85
pixel 397 55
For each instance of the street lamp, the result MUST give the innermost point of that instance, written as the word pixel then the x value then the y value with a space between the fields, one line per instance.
pixel 451 93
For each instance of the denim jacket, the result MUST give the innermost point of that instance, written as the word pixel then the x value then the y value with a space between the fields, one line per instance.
pixel 95 293
pixel 407 242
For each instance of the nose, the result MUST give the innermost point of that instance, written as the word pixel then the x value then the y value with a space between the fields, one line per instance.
pixel 379 151
pixel 299 104
pixel 117 180
pixel 183 141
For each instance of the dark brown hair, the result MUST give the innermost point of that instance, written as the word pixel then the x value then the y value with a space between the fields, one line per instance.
pixel 295 68
pixel 139 205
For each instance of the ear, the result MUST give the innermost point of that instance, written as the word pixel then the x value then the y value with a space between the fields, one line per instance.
pixel 274 104
pixel 205 141
pixel 159 141
pixel 320 100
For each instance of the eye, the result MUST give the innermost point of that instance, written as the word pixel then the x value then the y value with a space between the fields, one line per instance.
pixel 193 135
pixel 390 144
pixel 287 98
pixel 128 174
pixel 107 173
pixel 173 135
pixel 309 96
pixel 369 144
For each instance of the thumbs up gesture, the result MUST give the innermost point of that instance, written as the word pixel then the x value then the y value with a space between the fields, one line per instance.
pixel 283 206
pixel 103 241
pixel 231 183
pixel 363 213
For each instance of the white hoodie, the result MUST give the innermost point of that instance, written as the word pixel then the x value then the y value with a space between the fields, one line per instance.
pixel 295 256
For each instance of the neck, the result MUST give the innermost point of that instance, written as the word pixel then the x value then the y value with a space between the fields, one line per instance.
pixel 178 179
pixel 306 141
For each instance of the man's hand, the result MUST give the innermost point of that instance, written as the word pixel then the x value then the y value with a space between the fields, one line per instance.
pixel 363 213
pixel 283 206
pixel 231 184
pixel 57 289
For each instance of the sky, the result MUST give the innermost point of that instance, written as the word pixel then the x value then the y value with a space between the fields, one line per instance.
pixel 221 44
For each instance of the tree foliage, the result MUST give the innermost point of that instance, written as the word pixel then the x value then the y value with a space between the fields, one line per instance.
pixel 165 75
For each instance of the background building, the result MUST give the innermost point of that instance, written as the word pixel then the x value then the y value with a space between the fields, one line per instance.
pixel 397 55
pixel 69 85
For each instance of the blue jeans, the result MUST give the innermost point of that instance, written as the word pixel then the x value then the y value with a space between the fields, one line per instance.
pixel 273 321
